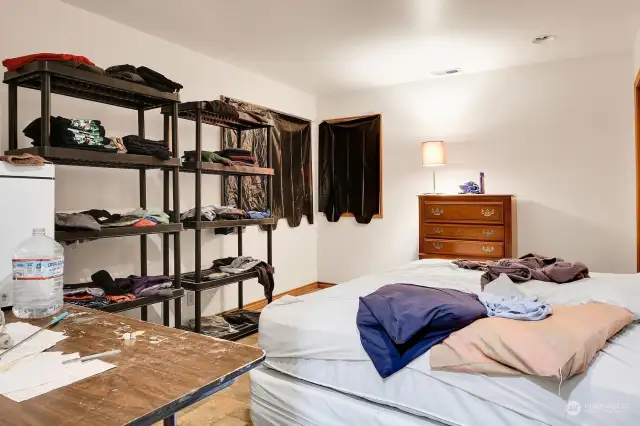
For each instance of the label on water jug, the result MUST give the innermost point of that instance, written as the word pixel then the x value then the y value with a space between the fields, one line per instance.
pixel 38 269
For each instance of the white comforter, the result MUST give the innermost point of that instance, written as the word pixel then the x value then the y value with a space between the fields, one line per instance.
pixel 322 326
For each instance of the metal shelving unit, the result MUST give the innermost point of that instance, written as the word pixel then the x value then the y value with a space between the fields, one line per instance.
pixel 53 77
pixel 195 281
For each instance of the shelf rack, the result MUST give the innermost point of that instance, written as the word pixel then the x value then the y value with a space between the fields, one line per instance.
pixel 54 77
pixel 194 281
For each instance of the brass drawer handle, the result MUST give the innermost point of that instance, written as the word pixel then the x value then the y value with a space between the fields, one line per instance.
pixel 436 211
pixel 438 230
pixel 488 232
pixel 437 246
pixel 487 212
pixel 488 249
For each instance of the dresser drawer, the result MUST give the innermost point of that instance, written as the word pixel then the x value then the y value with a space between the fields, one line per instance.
pixel 463 248
pixel 463 232
pixel 489 212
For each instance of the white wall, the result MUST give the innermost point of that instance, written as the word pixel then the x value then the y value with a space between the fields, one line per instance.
pixel 30 26
pixel 558 136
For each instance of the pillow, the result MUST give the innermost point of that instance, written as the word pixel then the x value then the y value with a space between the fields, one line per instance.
pixel 616 289
pixel 559 346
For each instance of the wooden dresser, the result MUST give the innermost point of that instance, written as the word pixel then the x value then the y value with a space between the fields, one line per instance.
pixel 467 226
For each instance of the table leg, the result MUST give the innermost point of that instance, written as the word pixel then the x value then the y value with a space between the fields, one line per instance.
pixel 170 421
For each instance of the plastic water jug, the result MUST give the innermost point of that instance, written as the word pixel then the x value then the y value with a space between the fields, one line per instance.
pixel 38 265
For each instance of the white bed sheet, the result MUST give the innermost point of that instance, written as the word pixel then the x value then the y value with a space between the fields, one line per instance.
pixel 316 339
pixel 280 400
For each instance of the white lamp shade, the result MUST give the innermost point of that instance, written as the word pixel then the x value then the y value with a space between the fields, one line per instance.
pixel 433 154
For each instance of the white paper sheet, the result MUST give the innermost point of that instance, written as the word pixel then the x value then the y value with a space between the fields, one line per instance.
pixel 28 371
pixel 20 331
pixel 65 375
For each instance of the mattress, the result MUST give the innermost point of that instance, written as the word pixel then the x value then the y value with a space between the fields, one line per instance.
pixel 315 338
pixel 277 399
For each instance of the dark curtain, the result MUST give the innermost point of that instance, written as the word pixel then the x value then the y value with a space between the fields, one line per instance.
pixel 350 168
pixel 292 182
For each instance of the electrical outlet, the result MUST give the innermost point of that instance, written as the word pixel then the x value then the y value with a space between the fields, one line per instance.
pixel 191 298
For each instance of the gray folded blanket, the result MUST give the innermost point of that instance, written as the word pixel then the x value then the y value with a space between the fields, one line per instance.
pixel 528 267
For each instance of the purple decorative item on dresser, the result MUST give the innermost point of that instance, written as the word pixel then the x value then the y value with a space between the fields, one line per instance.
pixel 469 188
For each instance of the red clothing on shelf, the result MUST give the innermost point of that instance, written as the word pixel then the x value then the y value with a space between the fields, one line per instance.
pixel 13 64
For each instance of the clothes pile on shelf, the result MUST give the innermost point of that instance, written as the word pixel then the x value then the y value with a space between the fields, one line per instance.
pixel 96 220
pixel 140 146
pixel 212 213
pixel 143 75
pixel 90 135
pixel 24 159
pixel 73 61
pixel 238 156
pixel 228 110
pixel 71 133
pixel 227 325
pixel 226 267
pixel 140 75
pixel 105 290
pixel 241 264
pixel 89 297
pixel 228 157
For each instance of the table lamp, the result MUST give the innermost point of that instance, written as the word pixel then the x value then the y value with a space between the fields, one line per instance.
pixel 433 155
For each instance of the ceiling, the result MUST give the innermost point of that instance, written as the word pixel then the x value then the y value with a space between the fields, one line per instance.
pixel 328 46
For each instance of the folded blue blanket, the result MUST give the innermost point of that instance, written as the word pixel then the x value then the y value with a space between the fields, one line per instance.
pixel 400 322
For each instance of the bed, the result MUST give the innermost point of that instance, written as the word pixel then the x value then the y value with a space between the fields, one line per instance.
pixel 317 373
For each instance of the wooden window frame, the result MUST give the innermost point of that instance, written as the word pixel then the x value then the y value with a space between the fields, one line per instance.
pixel 380 214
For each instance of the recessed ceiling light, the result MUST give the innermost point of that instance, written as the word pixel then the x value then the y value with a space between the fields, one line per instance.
pixel 543 39
pixel 451 71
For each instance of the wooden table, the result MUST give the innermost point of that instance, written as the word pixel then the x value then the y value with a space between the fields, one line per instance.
pixel 151 381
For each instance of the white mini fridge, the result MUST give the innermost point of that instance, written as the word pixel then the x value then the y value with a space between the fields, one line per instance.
pixel 27 201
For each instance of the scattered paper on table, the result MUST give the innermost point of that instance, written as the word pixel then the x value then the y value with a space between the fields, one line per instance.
pixel 29 371
pixel 66 375
pixel 20 331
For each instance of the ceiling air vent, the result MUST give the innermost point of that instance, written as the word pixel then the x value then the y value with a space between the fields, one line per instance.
pixel 543 39
pixel 451 71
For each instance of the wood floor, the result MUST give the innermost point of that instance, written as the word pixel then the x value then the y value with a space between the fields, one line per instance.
pixel 230 407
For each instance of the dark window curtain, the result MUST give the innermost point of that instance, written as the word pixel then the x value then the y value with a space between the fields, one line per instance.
pixel 292 182
pixel 350 168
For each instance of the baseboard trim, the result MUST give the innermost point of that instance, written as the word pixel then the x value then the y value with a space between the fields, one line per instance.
pixel 298 291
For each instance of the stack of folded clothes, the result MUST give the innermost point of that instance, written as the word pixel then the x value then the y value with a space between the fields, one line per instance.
pixel 238 156
pixel 140 146
pixel 143 75
pixel 95 220
pixel 71 133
